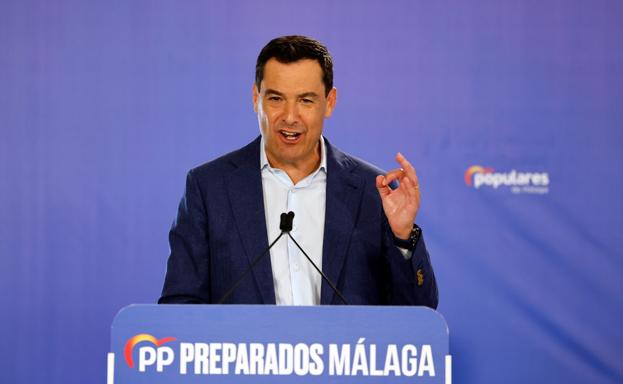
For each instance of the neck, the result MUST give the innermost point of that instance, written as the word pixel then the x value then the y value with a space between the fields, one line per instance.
pixel 297 170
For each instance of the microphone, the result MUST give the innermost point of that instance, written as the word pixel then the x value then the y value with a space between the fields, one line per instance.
pixel 333 287
pixel 285 225
pixel 286 221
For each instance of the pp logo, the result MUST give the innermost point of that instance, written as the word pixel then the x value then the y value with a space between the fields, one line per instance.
pixel 518 182
pixel 474 176
pixel 149 355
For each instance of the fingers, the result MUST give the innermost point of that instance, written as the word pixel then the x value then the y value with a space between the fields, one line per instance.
pixel 408 168
pixel 410 179
pixel 413 190
pixel 394 174
pixel 407 177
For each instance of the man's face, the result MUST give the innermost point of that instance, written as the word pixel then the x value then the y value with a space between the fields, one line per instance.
pixel 291 107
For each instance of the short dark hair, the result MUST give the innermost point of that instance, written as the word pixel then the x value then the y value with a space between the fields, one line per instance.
pixel 288 49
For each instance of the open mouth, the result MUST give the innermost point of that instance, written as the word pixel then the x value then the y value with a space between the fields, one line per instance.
pixel 290 136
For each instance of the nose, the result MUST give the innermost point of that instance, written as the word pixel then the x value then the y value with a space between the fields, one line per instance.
pixel 291 113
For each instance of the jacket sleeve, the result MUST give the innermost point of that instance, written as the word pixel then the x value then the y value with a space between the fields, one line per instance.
pixel 188 272
pixel 412 280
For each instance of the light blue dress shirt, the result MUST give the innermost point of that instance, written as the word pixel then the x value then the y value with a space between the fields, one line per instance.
pixel 295 279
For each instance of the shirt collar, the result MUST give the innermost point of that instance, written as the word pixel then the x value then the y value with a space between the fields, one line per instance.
pixel 323 156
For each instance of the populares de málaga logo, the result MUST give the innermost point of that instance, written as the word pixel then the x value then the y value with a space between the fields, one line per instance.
pixel 479 177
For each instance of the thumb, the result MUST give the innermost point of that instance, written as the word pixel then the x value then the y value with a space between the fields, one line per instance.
pixel 383 189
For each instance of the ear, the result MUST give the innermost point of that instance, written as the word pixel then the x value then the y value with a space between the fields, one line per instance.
pixel 331 100
pixel 256 97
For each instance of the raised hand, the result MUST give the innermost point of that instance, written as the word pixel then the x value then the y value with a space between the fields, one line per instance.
pixel 401 205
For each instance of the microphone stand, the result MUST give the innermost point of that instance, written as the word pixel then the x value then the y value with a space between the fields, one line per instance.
pixel 286 226
pixel 333 287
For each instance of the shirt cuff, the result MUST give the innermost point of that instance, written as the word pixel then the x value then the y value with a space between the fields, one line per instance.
pixel 406 253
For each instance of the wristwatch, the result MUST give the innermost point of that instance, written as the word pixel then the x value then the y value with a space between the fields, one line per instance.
pixel 411 242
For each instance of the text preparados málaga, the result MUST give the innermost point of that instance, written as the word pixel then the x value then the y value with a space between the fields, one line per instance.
pixel 360 359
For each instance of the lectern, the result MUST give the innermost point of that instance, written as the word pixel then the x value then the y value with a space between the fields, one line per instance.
pixel 278 344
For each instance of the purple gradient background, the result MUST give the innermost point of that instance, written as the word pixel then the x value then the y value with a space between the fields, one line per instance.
pixel 105 105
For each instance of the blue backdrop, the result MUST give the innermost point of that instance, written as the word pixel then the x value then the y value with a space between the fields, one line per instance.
pixel 104 106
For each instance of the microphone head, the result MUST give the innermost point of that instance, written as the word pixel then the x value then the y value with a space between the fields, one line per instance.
pixel 286 221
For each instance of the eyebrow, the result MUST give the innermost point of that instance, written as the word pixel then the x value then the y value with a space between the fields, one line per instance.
pixel 302 95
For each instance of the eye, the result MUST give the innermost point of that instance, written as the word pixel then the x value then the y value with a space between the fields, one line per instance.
pixel 307 101
pixel 274 98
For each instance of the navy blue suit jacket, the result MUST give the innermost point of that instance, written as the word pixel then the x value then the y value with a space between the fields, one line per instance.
pixel 221 227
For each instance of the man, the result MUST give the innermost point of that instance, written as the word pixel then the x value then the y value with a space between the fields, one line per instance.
pixel 349 218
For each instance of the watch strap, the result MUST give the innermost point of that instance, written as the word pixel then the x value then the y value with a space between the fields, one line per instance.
pixel 411 242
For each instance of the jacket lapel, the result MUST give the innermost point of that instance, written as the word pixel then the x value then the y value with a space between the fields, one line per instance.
pixel 244 187
pixel 343 196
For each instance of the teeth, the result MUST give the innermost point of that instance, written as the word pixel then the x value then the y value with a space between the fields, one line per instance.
pixel 289 134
